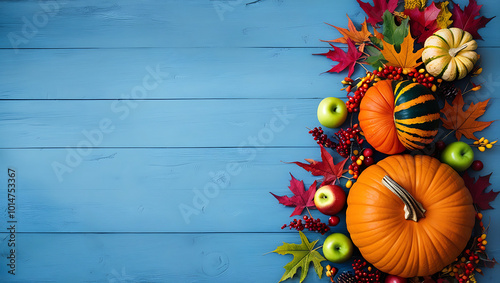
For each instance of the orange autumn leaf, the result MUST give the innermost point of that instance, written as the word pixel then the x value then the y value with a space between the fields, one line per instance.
pixel 406 58
pixel 464 122
pixel 359 37
pixel 378 34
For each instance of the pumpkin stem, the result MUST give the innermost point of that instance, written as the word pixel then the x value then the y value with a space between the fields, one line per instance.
pixel 454 51
pixel 413 209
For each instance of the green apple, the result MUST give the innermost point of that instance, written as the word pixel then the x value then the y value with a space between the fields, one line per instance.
pixel 330 199
pixel 458 155
pixel 332 112
pixel 337 248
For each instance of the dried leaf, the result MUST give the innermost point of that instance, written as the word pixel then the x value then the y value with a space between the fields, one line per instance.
pixel 358 37
pixel 376 11
pixel 464 122
pixel 477 190
pixel 346 60
pixel 303 254
pixel 406 58
pixel 326 168
pixel 467 19
pixel 300 199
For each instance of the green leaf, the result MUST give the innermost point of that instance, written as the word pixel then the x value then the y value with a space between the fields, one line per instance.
pixel 303 255
pixel 394 34
pixel 376 58
pixel 376 41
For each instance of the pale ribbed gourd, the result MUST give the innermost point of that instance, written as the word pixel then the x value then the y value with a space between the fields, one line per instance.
pixel 449 54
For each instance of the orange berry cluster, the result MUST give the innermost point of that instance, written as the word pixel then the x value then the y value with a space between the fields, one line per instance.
pixel 330 272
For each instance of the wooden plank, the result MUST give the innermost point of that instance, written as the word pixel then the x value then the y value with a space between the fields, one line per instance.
pixel 219 257
pixel 161 190
pixel 171 73
pixel 151 190
pixel 173 23
pixel 167 123
pixel 158 258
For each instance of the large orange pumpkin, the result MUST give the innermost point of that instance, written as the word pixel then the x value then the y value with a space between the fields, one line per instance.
pixel 378 225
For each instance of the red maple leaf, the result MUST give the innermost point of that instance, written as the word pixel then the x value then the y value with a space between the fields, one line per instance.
pixel 376 11
pixel 345 59
pixel 326 168
pixel 477 190
pixel 301 198
pixel 423 23
pixel 467 20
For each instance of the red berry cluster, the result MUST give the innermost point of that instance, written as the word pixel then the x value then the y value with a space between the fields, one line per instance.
pixel 321 138
pixel 423 78
pixel 389 72
pixel 362 86
pixel 309 223
pixel 347 138
pixel 467 263
pixel 358 161
pixel 365 273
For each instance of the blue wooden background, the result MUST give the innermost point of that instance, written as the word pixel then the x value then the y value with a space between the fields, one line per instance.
pixel 117 116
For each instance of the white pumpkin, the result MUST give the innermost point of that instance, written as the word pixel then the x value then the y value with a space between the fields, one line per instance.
pixel 449 54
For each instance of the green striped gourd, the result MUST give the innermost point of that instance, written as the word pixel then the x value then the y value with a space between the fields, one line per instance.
pixel 416 114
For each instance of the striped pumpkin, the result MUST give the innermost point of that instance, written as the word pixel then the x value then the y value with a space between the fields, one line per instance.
pixel 416 114
pixel 400 115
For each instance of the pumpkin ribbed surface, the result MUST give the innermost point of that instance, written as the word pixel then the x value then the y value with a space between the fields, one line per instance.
pixel 377 120
pixel 400 115
pixel 449 54
pixel 416 114
pixel 375 216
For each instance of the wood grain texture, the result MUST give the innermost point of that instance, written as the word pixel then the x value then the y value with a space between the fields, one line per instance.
pixel 147 135
pixel 176 23
pixel 182 73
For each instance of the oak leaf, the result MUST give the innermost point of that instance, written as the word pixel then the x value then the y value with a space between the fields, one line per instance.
pixel 406 58
pixel 477 190
pixel 346 60
pixel 464 122
pixel 376 11
pixel 467 19
pixel 359 37
pixel 326 168
pixel 300 199
pixel 303 254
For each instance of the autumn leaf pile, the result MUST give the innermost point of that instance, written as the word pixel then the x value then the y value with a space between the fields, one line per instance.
pixel 395 44
pixel 392 36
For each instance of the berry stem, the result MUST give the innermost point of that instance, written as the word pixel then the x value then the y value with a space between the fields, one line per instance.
pixel 309 212
pixel 448 134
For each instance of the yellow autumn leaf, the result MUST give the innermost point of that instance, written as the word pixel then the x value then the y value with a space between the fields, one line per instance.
pixel 412 4
pixel 406 58
pixel 444 17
